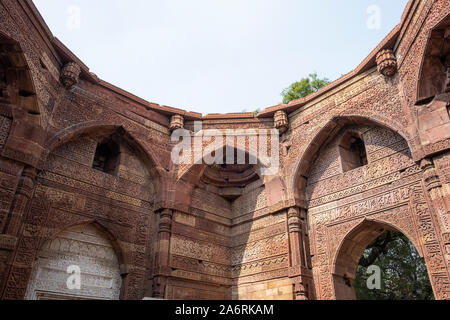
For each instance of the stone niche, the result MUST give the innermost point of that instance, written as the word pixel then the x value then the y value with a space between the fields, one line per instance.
pixel 387 62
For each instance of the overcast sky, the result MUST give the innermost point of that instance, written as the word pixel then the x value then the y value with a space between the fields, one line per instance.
pixel 218 56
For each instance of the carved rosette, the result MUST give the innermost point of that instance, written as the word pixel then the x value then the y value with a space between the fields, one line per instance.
pixel 70 74
pixel 281 121
pixel 387 62
pixel 176 122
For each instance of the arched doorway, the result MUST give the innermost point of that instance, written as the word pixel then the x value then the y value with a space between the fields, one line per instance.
pixel 84 248
pixel 358 275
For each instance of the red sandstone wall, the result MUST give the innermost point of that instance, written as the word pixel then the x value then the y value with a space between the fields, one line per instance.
pixel 179 239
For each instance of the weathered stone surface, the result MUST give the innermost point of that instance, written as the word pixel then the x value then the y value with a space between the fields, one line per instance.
pixel 367 153
pixel 386 62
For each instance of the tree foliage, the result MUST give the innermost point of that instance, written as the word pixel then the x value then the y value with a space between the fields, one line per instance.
pixel 303 88
pixel 404 273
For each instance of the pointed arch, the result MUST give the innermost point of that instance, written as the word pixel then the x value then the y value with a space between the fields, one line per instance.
pixel 119 251
pixel 324 135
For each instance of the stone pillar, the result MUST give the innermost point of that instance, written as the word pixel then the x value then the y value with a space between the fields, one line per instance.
pixel 438 198
pixel 24 193
pixel 300 270
pixel 162 269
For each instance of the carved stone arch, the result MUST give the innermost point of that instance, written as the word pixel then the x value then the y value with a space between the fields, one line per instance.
pixel 81 262
pixel 16 83
pixel 351 248
pixel 297 181
pixel 107 232
pixel 143 151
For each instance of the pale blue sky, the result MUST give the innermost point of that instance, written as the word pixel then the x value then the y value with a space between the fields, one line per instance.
pixel 218 56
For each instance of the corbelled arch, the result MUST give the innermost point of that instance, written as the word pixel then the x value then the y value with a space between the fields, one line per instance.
pixel 297 181
pixel 108 233
pixel 225 222
pixel 185 172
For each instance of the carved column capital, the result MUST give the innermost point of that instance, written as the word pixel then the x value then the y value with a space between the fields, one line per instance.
pixel 165 220
pixel 176 122
pixel 387 62
pixel 281 121
pixel 431 177
pixel 24 192
pixel 70 74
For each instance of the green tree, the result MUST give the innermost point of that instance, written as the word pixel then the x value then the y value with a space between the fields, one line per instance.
pixel 303 88
pixel 404 273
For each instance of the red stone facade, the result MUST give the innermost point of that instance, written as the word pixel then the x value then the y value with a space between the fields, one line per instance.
pixel 212 232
